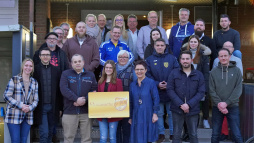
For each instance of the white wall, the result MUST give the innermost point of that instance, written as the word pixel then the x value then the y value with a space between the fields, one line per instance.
pixel 9 12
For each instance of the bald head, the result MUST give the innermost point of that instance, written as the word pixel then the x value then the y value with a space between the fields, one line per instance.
pixel 228 45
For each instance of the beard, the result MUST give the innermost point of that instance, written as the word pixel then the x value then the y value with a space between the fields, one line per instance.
pixel 51 45
pixel 199 33
pixel 81 35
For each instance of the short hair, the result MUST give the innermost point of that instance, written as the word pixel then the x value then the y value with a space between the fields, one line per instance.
pixel 75 55
pixel 185 52
pixel 160 40
pixel 102 15
pixel 91 15
pixel 23 64
pixel 58 27
pixel 224 16
pixel 141 62
pixel 117 27
pixel 44 49
pixel 65 23
pixel 224 49
pixel 184 9
pixel 151 12
pixel 121 52
pixel 132 16
pixel 200 19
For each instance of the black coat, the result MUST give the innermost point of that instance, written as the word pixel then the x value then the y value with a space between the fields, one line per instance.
pixel 56 100
pixel 105 33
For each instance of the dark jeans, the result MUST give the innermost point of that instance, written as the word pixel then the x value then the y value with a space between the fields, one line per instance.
pixel 191 121
pixel 123 131
pixel 19 132
pixel 46 128
pixel 205 107
pixel 233 118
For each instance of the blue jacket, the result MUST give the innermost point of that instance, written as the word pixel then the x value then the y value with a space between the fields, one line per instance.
pixel 73 86
pixel 182 88
pixel 177 35
pixel 159 67
pixel 108 51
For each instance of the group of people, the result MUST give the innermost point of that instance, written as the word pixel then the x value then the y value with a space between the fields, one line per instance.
pixel 162 76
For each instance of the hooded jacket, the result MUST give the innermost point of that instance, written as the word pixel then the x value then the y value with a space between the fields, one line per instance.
pixel 159 67
pixel 177 35
pixel 225 84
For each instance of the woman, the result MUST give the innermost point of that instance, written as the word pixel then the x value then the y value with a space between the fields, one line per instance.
pixel 144 101
pixel 92 29
pixel 125 72
pixel 154 35
pixel 108 83
pixel 21 96
pixel 60 32
pixel 125 35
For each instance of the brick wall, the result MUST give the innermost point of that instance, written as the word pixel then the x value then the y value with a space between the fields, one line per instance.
pixel 24 13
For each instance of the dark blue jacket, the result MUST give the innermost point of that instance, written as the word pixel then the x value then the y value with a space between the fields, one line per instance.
pixel 183 88
pixel 73 86
pixel 159 67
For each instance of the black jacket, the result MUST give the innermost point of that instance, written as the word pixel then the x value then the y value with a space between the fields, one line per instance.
pixel 62 58
pixel 56 100
pixel 105 33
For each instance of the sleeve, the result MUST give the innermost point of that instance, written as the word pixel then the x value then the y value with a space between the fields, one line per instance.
pixel 156 98
pixel 215 98
pixel 66 61
pixel 213 48
pixel 65 49
pixel 170 40
pixel 239 64
pixel 149 72
pixel 130 42
pixel 176 64
pixel 148 51
pixel 107 36
pixel 35 98
pixel 102 50
pixel 200 92
pixel 140 43
pixel 65 90
pixel 95 58
pixel 8 95
pixel 237 42
pixel 235 95
pixel 215 63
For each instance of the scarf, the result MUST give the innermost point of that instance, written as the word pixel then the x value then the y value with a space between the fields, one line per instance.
pixel 93 32
pixel 120 68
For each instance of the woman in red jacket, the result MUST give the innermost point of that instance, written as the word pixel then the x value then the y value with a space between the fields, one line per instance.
pixel 108 83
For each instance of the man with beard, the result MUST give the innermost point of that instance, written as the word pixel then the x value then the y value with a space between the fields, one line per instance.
pixel 84 45
pixel 227 34
pixel 185 88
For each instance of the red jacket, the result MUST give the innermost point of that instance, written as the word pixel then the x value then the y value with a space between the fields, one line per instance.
pixel 111 87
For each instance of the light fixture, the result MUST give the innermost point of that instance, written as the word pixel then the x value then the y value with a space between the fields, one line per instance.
pixel 70 34
pixel 168 32
pixel 144 16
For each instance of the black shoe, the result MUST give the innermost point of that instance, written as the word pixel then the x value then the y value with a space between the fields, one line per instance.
pixel 161 138
pixel 185 137
pixel 171 137
pixel 223 137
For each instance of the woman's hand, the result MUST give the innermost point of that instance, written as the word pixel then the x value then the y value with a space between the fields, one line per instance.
pixel 25 108
pixel 129 121
pixel 155 118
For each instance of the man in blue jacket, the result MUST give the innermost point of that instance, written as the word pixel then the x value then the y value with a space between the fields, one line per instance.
pixel 179 31
pixel 186 87
pixel 159 66
pixel 75 84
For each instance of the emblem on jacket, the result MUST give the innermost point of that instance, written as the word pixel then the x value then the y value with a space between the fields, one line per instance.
pixel 155 64
pixel 166 64
pixel 121 48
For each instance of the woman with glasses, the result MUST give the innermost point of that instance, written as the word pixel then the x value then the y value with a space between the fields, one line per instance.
pixel 144 106
pixel 21 96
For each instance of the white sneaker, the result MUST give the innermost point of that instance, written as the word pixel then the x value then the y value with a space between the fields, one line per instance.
pixel 206 124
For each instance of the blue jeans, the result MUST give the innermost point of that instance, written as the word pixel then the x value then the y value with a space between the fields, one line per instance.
pixel 191 121
pixel 238 54
pixel 161 120
pixel 123 131
pixel 47 125
pixel 19 132
pixel 233 118
pixel 104 127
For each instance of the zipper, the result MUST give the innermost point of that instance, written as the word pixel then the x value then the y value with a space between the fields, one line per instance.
pixel 79 84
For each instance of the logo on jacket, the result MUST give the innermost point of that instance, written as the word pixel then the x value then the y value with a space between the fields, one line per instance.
pixel 166 64
pixel 121 48
pixel 155 64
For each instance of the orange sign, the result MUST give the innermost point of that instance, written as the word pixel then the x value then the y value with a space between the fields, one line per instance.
pixel 108 104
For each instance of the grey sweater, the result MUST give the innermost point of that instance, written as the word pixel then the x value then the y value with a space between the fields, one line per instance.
pixel 225 84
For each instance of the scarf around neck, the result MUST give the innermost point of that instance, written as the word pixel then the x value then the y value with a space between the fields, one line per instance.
pixel 93 32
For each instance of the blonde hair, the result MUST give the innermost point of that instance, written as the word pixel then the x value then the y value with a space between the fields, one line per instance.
pixel 91 15
pixel 151 12
pixel 23 64
pixel 124 32
pixel 103 16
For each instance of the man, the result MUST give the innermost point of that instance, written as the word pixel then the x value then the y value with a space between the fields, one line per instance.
pixel 110 49
pixel 159 66
pixel 179 31
pixel 83 45
pixel 225 85
pixel 186 87
pixel 66 28
pixel 228 45
pixel 60 32
pixel 132 23
pixel 50 105
pixel 227 34
pixel 144 33
pixel 75 84
pixel 58 56
pixel 102 24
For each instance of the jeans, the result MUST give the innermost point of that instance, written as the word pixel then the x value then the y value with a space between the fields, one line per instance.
pixel 47 125
pixel 191 121
pixel 123 131
pixel 233 117
pixel 104 127
pixel 19 132
pixel 161 120
pixel 238 54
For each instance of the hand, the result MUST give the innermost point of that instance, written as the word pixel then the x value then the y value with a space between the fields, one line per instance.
pixel 155 118
pixel 129 121
pixel 223 105
pixel 185 107
pixel 162 85
pixel 60 113
pixel 81 101
pixel 25 108
pixel 225 111
pixel 75 104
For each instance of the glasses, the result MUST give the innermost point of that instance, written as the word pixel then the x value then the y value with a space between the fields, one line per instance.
pixel 66 30
pixel 52 39
pixel 45 55
pixel 119 19
pixel 123 57
pixel 139 69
